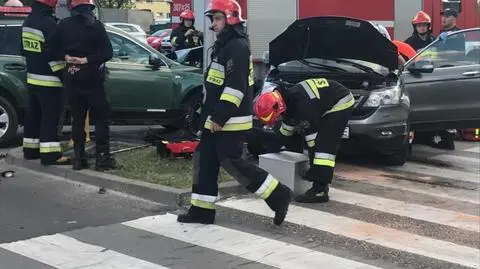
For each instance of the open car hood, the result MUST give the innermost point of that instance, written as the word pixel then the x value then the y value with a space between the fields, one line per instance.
pixel 331 38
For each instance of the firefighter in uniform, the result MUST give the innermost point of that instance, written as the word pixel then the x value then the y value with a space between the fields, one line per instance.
pixel 44 79
pixel 83 41
pixel 319 110
pixel 225 117
pixel 422 31
pixel 186 36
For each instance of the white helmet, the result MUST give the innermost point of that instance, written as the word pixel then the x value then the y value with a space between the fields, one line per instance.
pixel 382 30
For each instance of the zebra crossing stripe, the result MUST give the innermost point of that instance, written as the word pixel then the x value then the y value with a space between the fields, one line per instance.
pixel 368 232
pixel 414 211
pixel 438 172
pixel 63 252
pixel 474 149
pixel 245 245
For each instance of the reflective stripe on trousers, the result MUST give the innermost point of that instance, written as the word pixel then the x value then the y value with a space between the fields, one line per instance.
pixel 50 147
pixel 31 143
pixel 203 201
pixel 267 187
pixel 324 159
pixel 43 81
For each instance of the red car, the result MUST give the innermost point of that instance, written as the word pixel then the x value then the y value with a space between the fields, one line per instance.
pixel 472 134
pixel 157 38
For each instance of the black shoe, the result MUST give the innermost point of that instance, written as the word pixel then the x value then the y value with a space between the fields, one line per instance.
pixel 279 201
pixel 316 194
pixel 80 163
pixel 103 159
pixel 197 215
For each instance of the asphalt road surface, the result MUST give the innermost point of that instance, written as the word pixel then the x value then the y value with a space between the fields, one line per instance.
pixel 421 215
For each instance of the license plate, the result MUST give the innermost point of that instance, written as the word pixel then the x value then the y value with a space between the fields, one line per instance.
pixel 346 133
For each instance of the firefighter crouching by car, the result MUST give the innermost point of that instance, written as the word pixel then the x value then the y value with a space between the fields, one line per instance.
pixel 319 109
pixel 185 36
pixel 45 87
pixel 83 41
pixel 225 117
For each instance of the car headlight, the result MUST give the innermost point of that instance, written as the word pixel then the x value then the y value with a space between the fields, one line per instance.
pixel 388 96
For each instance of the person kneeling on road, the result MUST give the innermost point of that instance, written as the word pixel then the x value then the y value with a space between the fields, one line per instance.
pixel 225 118
pixel 319 109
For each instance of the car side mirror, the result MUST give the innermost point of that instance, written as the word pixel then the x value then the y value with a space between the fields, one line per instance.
pixel 425 66
pixel 155 61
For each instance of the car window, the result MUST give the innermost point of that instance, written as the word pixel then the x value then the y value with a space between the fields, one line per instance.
pixel 10 40
pixel 458 49
pixel 126 28
pixel 126 51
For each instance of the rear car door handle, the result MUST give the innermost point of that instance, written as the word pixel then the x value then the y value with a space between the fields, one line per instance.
pixel 471 73
pixel 15 67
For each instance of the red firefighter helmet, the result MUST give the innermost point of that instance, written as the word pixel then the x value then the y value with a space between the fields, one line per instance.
pixel 404 49
pixel 75 3
pixel 231 9
pixel 421 17
pixel 187 15
pixel 50 3
pixel 269 106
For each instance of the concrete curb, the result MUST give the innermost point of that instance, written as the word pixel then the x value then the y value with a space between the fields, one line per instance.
pixel 149 191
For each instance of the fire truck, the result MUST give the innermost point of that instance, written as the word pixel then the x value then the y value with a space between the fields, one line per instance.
pixel 268 18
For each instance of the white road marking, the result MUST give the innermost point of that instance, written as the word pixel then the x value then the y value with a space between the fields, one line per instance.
pixel 368 232
pixel 474 150
pixel 462 160
pixel 439 172
pixel 64 252
pixel 414 211
pixel 248 246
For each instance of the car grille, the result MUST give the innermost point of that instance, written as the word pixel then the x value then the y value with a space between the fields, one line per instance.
pixel 361 112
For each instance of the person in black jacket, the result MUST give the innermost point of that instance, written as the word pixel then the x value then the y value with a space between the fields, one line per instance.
pixel 45 87
pixel 318 109
pixel 422 31
pixel 83 41
pixel 225 118
pixel 185 35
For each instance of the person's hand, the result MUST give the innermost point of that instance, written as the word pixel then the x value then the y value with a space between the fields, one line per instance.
pixel 189 32
pixel 75 60
pixel 215 127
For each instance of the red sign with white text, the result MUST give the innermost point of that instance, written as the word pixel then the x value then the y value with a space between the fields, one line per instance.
pixel 178 7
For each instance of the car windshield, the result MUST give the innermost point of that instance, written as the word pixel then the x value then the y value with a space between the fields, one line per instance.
pixel 341 65
pixel 161 32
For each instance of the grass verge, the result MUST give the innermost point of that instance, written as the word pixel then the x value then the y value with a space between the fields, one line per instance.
pixel 146 165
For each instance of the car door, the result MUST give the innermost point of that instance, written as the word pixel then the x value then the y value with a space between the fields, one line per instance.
pixel 449 96
pixel 135 88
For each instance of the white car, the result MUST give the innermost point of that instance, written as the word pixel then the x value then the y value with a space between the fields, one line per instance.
pixel 133 29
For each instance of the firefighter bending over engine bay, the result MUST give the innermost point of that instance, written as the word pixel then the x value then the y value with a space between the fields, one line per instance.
pixel 319 110
pixel 225 118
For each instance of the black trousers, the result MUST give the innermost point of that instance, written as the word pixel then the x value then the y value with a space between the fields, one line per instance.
pixel 95 100
pixel 40 129
pixel 323 153
pixel 225 149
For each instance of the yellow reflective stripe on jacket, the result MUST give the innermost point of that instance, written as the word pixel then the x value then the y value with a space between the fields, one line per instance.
pixel 34 34
pixel 477 133
pixel 310 139
pixel 251 75
pixel 50 147
pixel 203 201
pixel 216 74
pixel 232 95
pixel 31 143
pixel 173 40
pixel 43 81
pixel 267 187
pixel 233 124
pixel 324 159
pixel 344 103
pixel 286 129
pixel 312 86
pixel 57 65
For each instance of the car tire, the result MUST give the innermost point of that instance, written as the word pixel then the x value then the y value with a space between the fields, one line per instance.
pixel 398 157
pixel 190 101
pixel 8 122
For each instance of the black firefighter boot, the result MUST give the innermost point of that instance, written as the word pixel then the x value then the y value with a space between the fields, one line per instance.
pixel 197 215
pixel 103 159
pixel 80 161
pixel 318 193
pixel 279 201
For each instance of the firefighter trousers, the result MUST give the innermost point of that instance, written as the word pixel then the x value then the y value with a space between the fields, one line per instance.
pixel 323 152
pixel 40 129
pixel 95 100
pixel 225 150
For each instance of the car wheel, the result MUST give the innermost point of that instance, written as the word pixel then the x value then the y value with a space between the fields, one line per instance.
pixel 399 157
pixel 191 101
pixel 8 121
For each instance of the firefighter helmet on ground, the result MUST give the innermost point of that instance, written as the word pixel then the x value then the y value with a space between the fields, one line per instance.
pixel 269 107
pixel 231 9
pixel 421 17
pixel 75 3
pixel 187 15
pixel 50 3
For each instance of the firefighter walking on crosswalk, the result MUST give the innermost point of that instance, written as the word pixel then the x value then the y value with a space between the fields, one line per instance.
pixel 45 86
